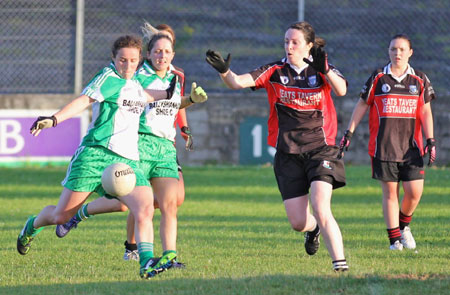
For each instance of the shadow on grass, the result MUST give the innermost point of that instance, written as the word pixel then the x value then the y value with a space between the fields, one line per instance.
pixel 265 284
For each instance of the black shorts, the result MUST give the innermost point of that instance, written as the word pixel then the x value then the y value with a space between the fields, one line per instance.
pixel 296 172
pixel 398 171
pixel 179 166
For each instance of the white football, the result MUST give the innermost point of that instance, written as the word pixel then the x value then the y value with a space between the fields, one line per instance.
pixel 118 179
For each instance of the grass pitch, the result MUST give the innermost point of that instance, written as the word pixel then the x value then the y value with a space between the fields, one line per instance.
pixel 234 238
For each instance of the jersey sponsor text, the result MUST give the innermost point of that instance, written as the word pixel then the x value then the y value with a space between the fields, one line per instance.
pixel 301 99
pixel 398 107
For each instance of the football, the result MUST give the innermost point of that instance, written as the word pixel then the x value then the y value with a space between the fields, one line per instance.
pixel 118 179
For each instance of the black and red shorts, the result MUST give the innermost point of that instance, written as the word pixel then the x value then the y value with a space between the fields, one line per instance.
pixel 398 171
pixel 296 172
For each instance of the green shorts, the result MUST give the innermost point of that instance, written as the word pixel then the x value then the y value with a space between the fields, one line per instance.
pixel 158 157
pixel 84 173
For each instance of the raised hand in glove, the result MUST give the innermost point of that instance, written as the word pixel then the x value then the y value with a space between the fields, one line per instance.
pixel 216 60
pixel 42 123
pixel 345 143
pixel 187 135
pixel 430 149
pixel 198 95
pixel 172 86
pixel 320 60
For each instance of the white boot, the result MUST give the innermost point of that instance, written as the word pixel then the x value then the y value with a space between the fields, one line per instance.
pixel 396 246
pixel 407 238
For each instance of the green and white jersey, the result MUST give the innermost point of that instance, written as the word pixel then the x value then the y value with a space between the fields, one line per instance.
pixel 159 116
pixel 118 106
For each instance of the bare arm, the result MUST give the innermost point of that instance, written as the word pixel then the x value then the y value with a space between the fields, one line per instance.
pixel 73 108
pixel 234 81
pixel 358 113
pixel 338 84
pixel 427 121
pixel 185 102
pixel 155 95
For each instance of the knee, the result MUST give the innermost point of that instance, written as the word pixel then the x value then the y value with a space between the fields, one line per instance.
pixel 413 197
pixel 298 227
pixel 180 200
pixel 391 197
pixel 144 213
pixel 298 224
pixel 322 216
pixel 168 206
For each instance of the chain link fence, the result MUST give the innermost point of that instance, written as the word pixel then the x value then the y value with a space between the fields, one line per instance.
pixel 38 38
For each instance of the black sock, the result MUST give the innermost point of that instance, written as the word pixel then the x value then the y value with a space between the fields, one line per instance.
pixel 394 234
pixel 404 220
pixel 131 247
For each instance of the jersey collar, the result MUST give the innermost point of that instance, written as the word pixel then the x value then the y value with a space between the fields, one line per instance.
pixel 387 71
pixel 295 68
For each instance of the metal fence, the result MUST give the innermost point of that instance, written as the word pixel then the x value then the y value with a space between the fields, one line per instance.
pixel 38 39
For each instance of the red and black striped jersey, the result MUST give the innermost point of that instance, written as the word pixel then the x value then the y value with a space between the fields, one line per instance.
pixel 180 73
pixel 180 120
pixel 395 113
pixel 302 114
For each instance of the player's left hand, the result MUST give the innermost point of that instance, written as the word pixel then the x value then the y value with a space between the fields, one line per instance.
pixel 430 149
pixel 320 60
pixel 187 135
pixel 198 95
pixel 42 123
pixel 345 143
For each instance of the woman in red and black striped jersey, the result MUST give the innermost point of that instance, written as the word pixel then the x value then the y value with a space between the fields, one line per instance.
pixel 398 98
pixel 302 126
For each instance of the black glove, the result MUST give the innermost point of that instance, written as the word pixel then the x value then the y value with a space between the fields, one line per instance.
pixel 345 143
pixel 42 123
pixel 216 60
pixel 187 135
pixel 320 60
pixel 170 91
pixel 430 149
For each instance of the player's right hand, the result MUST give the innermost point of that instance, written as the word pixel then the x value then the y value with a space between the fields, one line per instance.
pixel 42 123
pixel 430 149
pixel 216 60
pixel 345 143
pixel 187 135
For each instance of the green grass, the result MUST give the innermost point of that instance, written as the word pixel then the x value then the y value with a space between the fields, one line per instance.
pixel 234 238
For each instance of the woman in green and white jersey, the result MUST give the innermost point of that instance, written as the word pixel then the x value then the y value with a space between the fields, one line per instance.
pixel 156 149
pixel 157 136
pixel 118 100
